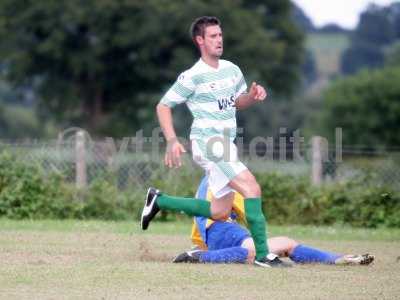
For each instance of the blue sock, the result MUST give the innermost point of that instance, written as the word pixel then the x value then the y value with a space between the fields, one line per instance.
pixel 304 254
pixel 227 255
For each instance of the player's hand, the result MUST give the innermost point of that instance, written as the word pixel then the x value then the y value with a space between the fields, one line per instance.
pixel 173 154
pixel 257 92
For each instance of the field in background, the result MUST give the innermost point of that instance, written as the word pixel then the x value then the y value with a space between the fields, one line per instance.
pixel 104 260
pixel 327 49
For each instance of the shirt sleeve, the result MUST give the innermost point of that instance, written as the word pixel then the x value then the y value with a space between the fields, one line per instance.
pixel 241 86
pixel 179 92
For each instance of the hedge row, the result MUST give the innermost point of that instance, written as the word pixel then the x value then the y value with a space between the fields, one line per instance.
pixel 27 191
pixel 289 200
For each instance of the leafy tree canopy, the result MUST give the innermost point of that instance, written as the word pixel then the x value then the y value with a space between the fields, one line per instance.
pixel 102 64
pixel 367 108
pixel 378 28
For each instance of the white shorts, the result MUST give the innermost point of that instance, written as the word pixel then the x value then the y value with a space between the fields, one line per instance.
pixel 221 165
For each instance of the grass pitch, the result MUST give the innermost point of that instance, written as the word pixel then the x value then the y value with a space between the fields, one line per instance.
pixel 108 260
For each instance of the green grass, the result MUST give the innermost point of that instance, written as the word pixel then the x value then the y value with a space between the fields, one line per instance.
pixel 182 227
pixel 115 260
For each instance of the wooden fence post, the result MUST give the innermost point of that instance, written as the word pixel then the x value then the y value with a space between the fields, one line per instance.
pixel 316 160
pixel 80 160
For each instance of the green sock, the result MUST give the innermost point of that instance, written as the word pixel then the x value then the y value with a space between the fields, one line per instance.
pixel 190 206
pixel 257 225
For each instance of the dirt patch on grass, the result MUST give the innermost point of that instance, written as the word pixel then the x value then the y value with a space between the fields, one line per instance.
pixel 147 254
pixel 26 257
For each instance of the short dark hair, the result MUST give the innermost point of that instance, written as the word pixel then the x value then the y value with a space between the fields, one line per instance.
pixel 199 25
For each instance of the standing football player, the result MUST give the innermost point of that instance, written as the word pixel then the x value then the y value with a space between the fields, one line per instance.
pixel 213 89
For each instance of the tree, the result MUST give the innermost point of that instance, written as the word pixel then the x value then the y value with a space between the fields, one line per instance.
pixel 377 29
pixel 332 28
pixel 361 56
pixel 309 68
pixel 302 20
pixel 103 64
pixel 392 55
pixel 285 35
pixel 366 107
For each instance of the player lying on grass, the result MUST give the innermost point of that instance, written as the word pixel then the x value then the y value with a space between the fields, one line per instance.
pixel 229 242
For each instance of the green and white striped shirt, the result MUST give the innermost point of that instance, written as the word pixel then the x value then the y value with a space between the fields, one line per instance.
pixel 210 94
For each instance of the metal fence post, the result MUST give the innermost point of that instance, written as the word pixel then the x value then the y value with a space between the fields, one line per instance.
pixel 80 151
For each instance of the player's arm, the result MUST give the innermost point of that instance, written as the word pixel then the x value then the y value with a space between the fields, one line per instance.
pixel 177 94
pixel 164 114
pixel 256 94
pixel 174 148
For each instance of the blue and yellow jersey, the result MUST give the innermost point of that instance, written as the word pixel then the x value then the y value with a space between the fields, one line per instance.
pixel 200 224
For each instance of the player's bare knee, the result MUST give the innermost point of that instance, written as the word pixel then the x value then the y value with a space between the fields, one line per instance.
pixel 221 215
pixel 257 190
pixel 291 243
pixel 251 256
pixel 253 190
pixel 251 249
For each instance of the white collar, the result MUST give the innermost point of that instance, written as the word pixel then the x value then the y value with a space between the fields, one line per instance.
pixel 210 67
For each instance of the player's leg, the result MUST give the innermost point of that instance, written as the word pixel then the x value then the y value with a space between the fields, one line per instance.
pixel 355 259
pixel 221 207
pixel 246 184
pixel 299 253
pixel 287 247
pixel 218 209
pixel 224 242
pixel 217 181
pixel 155 201
pixel 251 249
pixel 280 246
pixel 304 254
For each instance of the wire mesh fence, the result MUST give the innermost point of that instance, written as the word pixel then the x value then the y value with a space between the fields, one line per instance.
pixel 82 162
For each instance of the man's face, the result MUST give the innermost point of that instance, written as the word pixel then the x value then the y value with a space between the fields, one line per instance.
pixel 212 43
